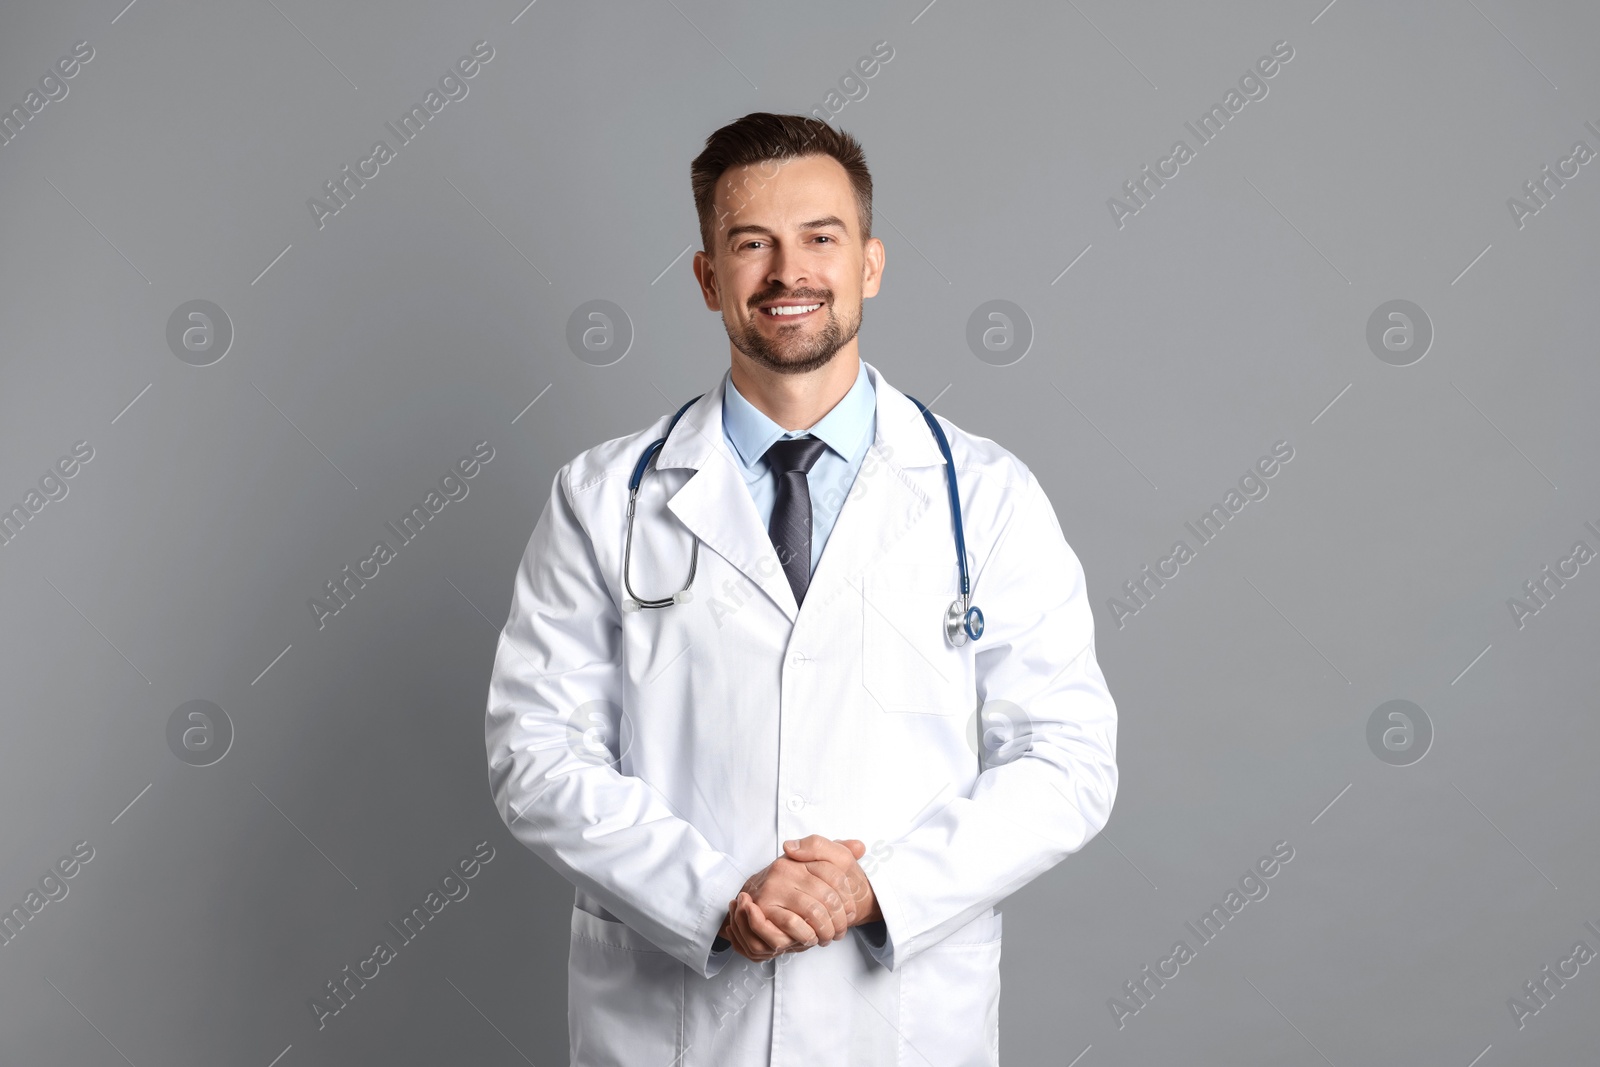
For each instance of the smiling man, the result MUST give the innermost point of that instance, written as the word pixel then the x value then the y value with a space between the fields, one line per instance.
pixel 745 641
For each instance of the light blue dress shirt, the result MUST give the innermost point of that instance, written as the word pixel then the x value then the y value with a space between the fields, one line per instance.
pixel 847 429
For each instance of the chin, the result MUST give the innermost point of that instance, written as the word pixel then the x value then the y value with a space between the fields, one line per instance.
pixel 795 355
pixel 791 363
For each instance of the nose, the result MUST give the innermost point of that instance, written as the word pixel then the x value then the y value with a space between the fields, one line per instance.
pixel 786 270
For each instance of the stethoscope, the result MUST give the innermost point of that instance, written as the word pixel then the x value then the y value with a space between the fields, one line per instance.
pixel 962 621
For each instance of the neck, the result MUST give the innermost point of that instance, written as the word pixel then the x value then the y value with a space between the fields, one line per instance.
pixel 796 401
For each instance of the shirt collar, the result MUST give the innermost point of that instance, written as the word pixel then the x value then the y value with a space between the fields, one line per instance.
pixel 842 429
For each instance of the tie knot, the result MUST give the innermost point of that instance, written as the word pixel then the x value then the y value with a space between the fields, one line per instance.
pixel 794 454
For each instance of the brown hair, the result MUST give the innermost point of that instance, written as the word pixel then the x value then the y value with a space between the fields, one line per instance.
pixel 760 137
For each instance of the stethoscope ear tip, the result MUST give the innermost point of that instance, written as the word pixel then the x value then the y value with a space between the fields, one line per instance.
pixel 682 596
pixel 629 605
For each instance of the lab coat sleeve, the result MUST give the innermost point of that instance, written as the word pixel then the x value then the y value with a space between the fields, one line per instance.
pixel 875 936
pixel 719 957
pixel 557 667
pixel 1052 788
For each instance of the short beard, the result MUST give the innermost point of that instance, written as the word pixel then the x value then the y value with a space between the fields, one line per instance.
pixel 816 352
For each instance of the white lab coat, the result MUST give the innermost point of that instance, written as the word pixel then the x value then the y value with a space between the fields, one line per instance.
pixel 658 758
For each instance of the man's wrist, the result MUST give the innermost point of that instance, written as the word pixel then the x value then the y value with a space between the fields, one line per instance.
pixel 871 913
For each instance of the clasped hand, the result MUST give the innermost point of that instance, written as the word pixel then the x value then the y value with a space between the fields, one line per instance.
pixel 810 895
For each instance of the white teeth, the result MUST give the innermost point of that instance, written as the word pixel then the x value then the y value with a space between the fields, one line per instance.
pixel 800 310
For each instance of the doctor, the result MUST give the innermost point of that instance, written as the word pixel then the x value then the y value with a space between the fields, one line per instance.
pixel 790 799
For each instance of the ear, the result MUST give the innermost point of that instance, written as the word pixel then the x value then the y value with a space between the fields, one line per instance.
pixel 873 255
pixel 706 275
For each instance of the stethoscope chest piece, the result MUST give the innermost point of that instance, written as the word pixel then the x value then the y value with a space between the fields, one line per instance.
pixel 962 623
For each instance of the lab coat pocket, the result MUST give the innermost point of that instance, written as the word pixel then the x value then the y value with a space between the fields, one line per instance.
pixel 950 999
pixel 624 997
pixel 907 665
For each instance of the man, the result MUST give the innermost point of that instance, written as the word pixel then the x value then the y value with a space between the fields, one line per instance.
pixel 708 768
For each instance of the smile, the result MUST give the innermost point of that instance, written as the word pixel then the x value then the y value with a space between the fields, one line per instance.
pixel 794 311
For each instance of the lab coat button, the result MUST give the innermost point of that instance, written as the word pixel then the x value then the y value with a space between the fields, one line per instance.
pixel 796 801
pixel 797 659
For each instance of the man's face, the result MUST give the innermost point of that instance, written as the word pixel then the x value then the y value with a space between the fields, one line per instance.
pixel 788 268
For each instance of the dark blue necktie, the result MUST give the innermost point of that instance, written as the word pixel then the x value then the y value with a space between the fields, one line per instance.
pixel 790 527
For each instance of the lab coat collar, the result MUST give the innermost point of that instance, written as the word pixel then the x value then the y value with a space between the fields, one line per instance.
pixel 715 503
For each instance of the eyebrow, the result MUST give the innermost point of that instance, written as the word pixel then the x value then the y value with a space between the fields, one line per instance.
pixel 815 224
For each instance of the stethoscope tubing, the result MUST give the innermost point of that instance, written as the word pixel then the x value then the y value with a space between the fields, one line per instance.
pixel 635 601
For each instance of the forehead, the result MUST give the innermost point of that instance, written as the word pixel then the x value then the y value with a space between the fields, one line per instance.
pixel 774 192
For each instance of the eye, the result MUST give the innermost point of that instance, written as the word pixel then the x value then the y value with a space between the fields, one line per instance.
pixel 825 237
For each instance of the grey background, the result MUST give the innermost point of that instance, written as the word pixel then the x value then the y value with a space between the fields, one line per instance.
pixel 1228 314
